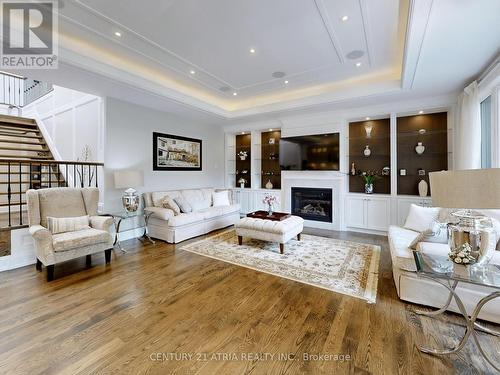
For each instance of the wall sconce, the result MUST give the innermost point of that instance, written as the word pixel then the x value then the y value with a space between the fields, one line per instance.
pixel 368 130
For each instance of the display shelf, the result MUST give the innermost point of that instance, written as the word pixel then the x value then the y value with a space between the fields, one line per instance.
pixel 243 143
pixel 376 134
pixel 269 160
pixel 434 157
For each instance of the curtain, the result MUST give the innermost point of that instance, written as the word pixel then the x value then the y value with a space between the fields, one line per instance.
pixel 467 152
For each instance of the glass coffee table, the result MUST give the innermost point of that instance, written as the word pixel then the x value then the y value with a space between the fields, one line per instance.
pixel 442 270
pixel 118 217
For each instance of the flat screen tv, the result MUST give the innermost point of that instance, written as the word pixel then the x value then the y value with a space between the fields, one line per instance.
pixel 310 152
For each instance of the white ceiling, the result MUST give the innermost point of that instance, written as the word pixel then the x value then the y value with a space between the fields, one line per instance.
pixel 426 46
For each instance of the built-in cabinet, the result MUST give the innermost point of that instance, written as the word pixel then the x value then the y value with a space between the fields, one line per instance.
pixel 251 199
pixel 368 212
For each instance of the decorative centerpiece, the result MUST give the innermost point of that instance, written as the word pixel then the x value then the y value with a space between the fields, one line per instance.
pixel 242 182
pixel 269 184
pixel 243 155
pixel 472 240
pixel 270 200
pixel 367 152
pixel 369 177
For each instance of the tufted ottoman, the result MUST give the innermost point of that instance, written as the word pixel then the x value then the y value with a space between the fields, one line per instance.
pixel 269 230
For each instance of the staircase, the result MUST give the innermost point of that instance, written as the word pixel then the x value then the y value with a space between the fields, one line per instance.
pixel 23 156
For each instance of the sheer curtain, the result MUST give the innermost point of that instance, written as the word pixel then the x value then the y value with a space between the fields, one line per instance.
pixel 467 152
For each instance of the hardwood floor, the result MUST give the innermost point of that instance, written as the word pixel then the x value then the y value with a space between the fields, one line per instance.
pixel 157 309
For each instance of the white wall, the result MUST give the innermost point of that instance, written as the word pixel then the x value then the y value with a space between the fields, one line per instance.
pixel 129 145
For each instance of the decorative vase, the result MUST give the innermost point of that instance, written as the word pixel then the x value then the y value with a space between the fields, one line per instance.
pixel 242 185
pixel 419 148
pixel 477 231
pixel 368 188
pixel 269 209
pixel 243 157
pixel 423 188
pixel 353 169
pixel 269 184
pixel 367 151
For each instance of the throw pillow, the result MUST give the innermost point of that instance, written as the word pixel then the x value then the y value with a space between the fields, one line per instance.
pixel 437 234
pixel 169 203
pixel 67 224
pixel 421 218
pixel 199 204
pixel 183 205
pixel 221 198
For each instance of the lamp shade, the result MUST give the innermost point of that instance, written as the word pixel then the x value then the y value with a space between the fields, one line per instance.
pixel 127 179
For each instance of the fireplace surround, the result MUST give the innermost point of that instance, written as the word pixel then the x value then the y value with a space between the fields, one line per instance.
pixel 312 203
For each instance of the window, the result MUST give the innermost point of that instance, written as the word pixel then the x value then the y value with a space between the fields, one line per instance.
pixel 486 133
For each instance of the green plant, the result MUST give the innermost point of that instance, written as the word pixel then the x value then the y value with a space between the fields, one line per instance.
pixel 369 177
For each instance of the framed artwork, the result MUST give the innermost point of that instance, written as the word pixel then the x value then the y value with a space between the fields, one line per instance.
pixel 176 153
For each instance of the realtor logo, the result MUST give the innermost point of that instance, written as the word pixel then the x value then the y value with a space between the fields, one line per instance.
pixel 29 34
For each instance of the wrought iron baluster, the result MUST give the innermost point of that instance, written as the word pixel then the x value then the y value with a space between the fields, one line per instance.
pixel 74 175
pixel 82 180
pixel 66 178
pixel 9 191
pixel 96 176
pixel 50 176
pixel 20 194
pixel 89 174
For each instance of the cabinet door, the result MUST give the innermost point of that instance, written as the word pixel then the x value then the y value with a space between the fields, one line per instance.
pixel 246 202
pixel 355 212
pixel 377 213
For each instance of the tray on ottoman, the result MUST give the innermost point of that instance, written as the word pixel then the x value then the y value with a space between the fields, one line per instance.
pixel 275 216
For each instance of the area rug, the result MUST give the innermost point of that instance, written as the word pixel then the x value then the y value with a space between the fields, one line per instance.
pixel 340 266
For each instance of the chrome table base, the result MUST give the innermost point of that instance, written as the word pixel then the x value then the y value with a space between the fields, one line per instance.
pixel 471 324
pixel 145 236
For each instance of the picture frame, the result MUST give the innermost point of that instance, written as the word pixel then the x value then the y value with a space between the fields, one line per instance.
pixel 176 153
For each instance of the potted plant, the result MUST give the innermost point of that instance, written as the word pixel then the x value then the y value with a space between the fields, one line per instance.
pixel 270 200
pixel 243 155
pixel 369 177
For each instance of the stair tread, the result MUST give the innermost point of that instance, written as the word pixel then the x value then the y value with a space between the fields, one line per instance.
pixel 17 119
pixel 43 149
pixel 41 142
pixel 38 158
pixel 33 129
pixel 18 135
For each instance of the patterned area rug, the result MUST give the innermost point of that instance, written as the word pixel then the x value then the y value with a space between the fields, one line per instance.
pixel 341 266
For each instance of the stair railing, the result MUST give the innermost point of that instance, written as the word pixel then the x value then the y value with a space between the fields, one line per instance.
pixel 37 174
pixel 17 91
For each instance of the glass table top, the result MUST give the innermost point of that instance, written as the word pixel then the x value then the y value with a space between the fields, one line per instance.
pixel 125 214
pixel 441 267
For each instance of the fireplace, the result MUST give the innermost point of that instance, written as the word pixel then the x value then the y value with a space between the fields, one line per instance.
pixel 312 203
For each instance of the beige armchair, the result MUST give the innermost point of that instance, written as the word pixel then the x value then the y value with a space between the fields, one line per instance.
pixel 67 202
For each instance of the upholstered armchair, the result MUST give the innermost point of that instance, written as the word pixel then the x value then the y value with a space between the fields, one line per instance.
pixel 59 247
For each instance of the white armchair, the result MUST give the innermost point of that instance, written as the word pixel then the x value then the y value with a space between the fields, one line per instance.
pixel 60 203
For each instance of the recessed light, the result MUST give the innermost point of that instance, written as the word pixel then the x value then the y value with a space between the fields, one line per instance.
pixel 345 18
pixel 192 72
pixel 358 64
pixel 118 34
pixel 235 93
pixel 420 112
pixel 286 82
pixel 252 50
pixel 367 118
pixel 270 130
pixel 242 132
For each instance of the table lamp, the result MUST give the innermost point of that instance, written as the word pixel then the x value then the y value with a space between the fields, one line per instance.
pixel 127 179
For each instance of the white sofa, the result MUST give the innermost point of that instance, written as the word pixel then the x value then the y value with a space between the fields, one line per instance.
pixel 167 226
pixel 411 288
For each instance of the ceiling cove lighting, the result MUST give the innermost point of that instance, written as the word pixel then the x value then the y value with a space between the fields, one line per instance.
pixel 345 18
pixel 118 34
pixel 358 64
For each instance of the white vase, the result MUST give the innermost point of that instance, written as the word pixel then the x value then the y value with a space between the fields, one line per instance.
pixel 243 157
pixel 419 148
pixel 269 184
pixel 367 151
pixel 242 185
pixel 423 188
